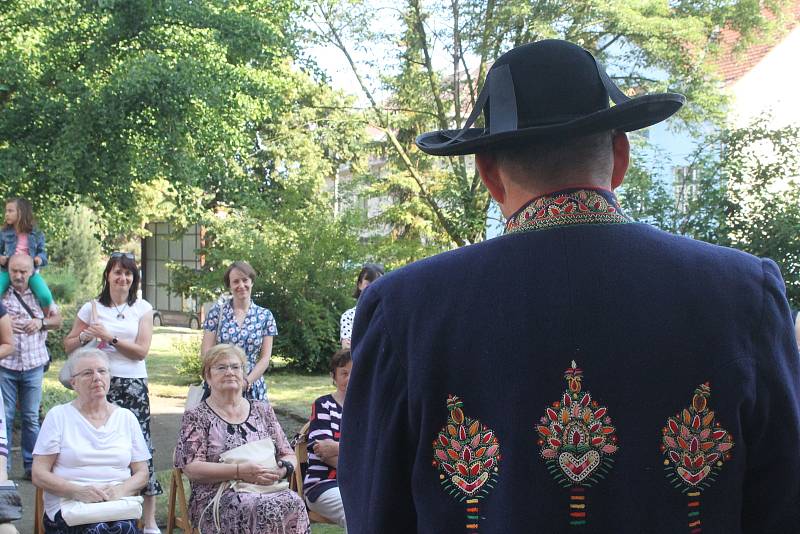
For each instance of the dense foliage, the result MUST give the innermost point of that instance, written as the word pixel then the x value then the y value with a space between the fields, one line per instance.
pixel 101 99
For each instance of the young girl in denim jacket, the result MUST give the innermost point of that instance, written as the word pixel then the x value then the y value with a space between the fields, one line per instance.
pixel 19 236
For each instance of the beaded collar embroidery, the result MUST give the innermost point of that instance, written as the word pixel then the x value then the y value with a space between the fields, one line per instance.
pixel 568 207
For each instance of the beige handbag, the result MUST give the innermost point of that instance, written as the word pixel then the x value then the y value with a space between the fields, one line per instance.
pixel 261 452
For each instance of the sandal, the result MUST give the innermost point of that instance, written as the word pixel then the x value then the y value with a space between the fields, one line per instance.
pixel 155 530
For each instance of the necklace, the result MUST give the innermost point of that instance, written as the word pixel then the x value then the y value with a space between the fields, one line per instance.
pixel 120 315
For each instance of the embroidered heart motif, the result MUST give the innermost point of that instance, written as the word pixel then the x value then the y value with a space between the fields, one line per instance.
pixel 694 478
pixel 470 487
pixel 578 468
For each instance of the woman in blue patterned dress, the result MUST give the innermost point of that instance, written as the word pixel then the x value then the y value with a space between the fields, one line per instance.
pixel 239 321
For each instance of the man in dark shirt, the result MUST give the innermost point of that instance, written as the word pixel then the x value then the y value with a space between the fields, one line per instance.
pixel 582 372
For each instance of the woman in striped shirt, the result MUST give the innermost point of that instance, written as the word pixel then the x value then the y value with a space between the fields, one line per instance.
pixel 320 488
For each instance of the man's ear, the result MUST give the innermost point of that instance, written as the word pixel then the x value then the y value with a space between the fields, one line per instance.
pixel 490 175
pixel 622 157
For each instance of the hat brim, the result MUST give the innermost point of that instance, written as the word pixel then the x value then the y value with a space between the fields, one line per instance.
pixel 634 114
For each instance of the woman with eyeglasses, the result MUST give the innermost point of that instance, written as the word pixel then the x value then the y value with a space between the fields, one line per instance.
pixel 226 420
pixel 121 325
pixel 368 274
pixel 88 450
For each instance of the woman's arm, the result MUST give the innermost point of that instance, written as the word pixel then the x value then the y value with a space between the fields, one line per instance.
pixel 72 340
pixel 6 336
pixel 210 328
pixel 213 472
pixel 134 350
pixel 262 364
pixel 43 477
pixel 328 451
pixel 209 340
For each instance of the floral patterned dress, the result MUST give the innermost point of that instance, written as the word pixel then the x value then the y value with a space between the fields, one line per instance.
pixel 257 324
pixel 204 437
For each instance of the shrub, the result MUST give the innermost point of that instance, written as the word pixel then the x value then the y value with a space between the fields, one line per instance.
pixel 190 364
pixel 55 338
pixel 53 395
pixel 63 285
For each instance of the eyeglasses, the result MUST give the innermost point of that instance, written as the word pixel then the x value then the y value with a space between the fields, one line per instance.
pixel 221 368
pixel 128 255
pixel 89 373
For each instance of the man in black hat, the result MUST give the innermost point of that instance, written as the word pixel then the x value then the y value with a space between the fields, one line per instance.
pixel 583 372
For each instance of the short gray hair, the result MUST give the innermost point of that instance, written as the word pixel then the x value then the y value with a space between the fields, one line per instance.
pixel 65 375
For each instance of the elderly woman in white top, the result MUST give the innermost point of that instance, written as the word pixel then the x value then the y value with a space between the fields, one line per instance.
pixel 88 450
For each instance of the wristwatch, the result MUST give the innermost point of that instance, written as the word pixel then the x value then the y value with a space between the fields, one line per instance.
pixel 289 466
pixel 114 340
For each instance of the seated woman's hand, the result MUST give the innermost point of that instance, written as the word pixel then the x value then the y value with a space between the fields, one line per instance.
pixel 90 494
pixel 258 474
pixel 326 449
pixel 113 492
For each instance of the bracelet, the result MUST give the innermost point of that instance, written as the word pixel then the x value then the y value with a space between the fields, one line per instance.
pixel 44 326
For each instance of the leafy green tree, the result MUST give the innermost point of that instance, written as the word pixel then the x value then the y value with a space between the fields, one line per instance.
pixel 306 275
pixel 646 46
pixel 99 98
pixel 742 192
pixel 73 248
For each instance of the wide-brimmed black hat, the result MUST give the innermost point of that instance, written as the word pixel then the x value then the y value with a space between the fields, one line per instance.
pixel 550 90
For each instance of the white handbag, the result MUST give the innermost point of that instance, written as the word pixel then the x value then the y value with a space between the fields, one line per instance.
pixel 261 452
pixel 82 513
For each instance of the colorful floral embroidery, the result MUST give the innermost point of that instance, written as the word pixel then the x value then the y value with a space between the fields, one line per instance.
pixel 577 440
pixel 579 206
pixel 468 455
pixel 695 447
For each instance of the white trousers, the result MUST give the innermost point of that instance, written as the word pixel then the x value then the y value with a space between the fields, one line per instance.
pixel 329 504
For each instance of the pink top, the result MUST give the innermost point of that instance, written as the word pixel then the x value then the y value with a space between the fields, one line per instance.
pixel 22 245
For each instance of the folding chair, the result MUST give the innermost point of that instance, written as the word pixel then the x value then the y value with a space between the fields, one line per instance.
pixel 177 493
pixel 301 455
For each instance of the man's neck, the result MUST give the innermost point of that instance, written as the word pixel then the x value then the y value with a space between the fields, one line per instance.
pixel 19 290
pixel 517 197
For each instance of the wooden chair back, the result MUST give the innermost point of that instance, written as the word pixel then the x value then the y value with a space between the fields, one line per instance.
pixel 178 510
pixel 38 511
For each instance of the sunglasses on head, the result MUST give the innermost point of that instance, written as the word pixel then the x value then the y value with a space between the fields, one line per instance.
pixel 128 255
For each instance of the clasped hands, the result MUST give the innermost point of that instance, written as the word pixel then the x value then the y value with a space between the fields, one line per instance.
pixel 326 449
pixel 106 492
pixel 27 326
pixel 97 330
pixel 254 473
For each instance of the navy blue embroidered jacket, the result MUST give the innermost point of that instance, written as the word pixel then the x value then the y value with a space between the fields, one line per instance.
pixel 603 378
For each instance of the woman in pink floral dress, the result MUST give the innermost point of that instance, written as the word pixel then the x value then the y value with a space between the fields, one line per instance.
pixel 224 421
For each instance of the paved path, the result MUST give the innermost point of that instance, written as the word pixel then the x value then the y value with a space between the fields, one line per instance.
pixel 164 426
